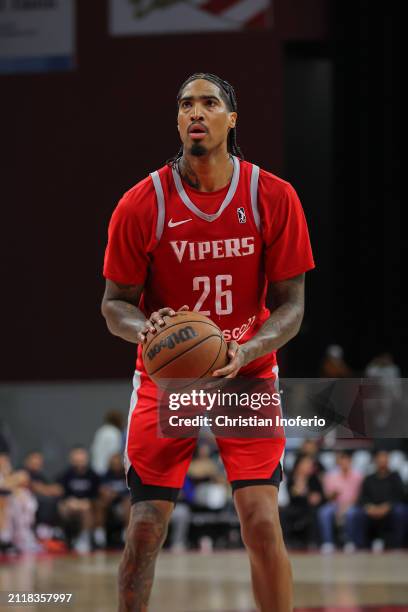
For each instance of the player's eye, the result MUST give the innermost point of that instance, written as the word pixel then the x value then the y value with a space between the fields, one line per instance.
pixel 210 103
pixel 185 104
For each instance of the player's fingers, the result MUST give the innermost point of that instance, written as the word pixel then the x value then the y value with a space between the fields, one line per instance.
pixel 225 371
pixel 167 312
pixel 185 307
pixel 233 373
pixel 149 327
pixel 234 364
pixel 140 338
pixel 218 373
pixel 233 348
pixel 156 318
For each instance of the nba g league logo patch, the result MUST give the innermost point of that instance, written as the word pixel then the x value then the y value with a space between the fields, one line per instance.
pixel 241 214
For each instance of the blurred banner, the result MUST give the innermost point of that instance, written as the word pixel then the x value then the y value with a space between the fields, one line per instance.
pixel 185 16
pixel 36 35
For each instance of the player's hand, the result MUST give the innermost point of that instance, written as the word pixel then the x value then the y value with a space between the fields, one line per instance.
pixel 156 320
pixel 236 361
pixel 142 334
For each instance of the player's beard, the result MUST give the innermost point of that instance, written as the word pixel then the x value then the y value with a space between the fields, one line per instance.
pixel 197 149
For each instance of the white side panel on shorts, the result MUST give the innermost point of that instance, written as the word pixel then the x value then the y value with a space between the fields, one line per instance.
pixel 275 370
pixel 133 402
pixel 160 203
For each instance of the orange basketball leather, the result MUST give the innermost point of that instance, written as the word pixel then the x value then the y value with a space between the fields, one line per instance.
pixel 189 346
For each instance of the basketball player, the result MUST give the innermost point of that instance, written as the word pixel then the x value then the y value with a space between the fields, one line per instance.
pixel 212 233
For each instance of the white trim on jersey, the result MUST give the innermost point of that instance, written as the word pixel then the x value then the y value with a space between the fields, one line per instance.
pixel 133 402
pixel 193 208
pixel 160 203
pixel 254 196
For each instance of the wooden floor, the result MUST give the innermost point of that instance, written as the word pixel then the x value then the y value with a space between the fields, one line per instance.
pixel 194 582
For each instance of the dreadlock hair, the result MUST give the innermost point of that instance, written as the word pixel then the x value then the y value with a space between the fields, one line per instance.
pixel 229 97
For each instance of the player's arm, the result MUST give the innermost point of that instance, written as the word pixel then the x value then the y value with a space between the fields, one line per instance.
pixel 123 316
pixel 287 299
pixel 283 324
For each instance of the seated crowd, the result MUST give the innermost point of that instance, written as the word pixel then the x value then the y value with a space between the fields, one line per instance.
pixel 344 506
pixel 77 510
pixel 83 510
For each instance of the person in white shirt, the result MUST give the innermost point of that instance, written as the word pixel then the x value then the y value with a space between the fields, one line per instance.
pixel 108 441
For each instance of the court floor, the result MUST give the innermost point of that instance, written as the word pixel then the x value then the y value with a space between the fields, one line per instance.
pixel 194 582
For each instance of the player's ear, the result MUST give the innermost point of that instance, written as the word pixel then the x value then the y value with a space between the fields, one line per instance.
pixel 232 120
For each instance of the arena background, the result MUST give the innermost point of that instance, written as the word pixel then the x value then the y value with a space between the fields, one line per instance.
pixel 315 99
pixel 317 94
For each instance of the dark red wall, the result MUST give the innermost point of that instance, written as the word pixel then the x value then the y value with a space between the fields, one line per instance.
pixel 75 142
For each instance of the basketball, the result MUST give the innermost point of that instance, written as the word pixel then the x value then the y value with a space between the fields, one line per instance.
pixel 189 346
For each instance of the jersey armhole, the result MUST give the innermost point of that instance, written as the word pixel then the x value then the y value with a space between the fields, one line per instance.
pixel 160 204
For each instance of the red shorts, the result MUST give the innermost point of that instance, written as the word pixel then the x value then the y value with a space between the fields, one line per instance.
pixel 163 462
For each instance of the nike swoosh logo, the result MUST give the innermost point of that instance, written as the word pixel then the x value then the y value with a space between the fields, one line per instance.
pixel 175 223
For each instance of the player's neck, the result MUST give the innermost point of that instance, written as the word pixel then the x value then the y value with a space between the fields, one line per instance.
pixel 207 173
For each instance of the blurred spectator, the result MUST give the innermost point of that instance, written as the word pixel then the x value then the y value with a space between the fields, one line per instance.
pixel 210 484
pixel 333 364
pixel 17 509
pixel 384 368
pixel 46 492
pixel 299 519
pixel 6 440
pixel 115 504
pixel 108 440
pixel 80 485
pixel 181 517
pixel 210 491
pixel 311 449
pixel 381 516
pixel 386 376
pixel 342 489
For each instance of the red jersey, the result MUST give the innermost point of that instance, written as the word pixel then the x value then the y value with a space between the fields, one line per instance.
pixel 214 251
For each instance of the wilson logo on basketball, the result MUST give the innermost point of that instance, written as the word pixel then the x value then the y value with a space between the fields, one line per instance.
pixel 186 333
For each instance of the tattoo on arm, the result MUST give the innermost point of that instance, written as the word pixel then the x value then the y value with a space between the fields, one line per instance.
pixel 287 308
pixel 120 309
